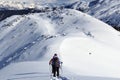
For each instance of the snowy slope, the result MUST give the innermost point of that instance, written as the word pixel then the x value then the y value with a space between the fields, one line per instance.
pixel 105 10
pixel 80 39
pixel 23 71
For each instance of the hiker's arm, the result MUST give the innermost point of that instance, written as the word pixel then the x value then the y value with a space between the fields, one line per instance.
pixel 61 62
pixel 50 62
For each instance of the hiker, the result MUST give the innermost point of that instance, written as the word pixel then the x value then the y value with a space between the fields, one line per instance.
pixel 55 63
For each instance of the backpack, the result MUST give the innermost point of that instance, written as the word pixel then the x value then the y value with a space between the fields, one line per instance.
pixel 56 62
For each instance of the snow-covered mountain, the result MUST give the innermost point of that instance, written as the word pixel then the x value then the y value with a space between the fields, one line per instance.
pixel 22 4
pixel 78 38
pixel 106 10
pixel 88 47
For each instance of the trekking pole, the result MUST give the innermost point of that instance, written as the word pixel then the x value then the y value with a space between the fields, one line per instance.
pixel 61 68
pixel 50 70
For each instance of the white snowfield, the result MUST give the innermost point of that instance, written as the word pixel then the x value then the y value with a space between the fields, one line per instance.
pixel 88 47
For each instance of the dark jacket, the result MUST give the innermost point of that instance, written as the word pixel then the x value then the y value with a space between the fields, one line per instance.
pixel 55 62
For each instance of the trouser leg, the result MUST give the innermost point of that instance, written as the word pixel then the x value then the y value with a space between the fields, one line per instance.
pixel 57 69
pixel 54 71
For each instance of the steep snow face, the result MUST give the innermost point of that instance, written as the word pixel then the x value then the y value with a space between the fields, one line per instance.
pixel 23 35
pixel 80 5
pixel 39 36
pixel 105 10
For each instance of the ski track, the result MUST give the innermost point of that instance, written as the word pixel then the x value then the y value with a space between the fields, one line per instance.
pixel 33 75
pixel 24 72
pixel 29 76
pixel 46 76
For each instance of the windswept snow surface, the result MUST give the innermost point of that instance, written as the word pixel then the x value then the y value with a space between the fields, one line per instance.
pixel 106 10
pixel 40 70
pixel 88 47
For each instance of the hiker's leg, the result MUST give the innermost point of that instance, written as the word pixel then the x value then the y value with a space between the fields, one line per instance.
pixel 54 71
pixel 57 71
